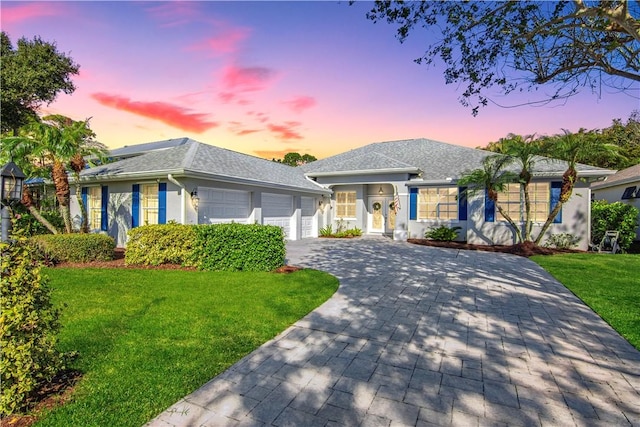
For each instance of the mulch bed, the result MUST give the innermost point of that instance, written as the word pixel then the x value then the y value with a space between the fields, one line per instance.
pixel 526 249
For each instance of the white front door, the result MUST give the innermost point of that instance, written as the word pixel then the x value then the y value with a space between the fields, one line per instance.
pixel 377 215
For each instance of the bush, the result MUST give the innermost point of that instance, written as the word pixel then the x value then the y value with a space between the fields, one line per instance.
pixel 238 247
pixel 28 327
pixel 57 248
pixel 562 241
pixel 160 244
pixel 616 216
pixel 31 226
pixel 326 231
pixel 442 233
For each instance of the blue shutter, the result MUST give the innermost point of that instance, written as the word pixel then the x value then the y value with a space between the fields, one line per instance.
pixel 83 192
pixel 556 187
pixel 489 208
pixel 162 203
pixel 462 203
pixel 135 205
pixel 413 203
pixel 104 216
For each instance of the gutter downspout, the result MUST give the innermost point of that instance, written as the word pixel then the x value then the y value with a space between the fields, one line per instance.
pixel 183 199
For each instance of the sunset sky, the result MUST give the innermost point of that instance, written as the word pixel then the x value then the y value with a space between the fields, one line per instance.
pixel 267 78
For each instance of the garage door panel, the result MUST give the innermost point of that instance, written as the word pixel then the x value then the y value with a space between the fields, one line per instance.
pixel 218 205
pixel 276 205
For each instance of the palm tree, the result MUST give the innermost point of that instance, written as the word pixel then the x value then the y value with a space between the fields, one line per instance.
pixel 53 142
pixel 494 178
pixel 572 148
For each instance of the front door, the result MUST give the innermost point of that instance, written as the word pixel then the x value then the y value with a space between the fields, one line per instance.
pixel 377 213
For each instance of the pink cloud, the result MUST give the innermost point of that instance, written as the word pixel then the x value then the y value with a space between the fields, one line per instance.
pixel 169 114
pixel 240 130
pixel 24 11
pixel 174 13
pixel 246 79
pixel 261 117
pixel 226 41
pixel 286 131
pixel 300 103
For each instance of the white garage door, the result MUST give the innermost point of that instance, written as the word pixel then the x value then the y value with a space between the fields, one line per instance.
pixel 277 210
pixel 218 206
pixel 308 211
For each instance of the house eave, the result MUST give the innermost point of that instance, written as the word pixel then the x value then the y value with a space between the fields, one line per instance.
pixel 363 172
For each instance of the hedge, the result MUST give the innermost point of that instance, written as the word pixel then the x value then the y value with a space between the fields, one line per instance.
pixel 614 216
pixel 160 244
pixel 57 248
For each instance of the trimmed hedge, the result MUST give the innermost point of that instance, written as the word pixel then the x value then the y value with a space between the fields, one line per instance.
pixel 160 244
pixel 238 247
pixel 74 247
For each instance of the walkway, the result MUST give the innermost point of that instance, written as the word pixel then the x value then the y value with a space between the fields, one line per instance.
pixel 421 336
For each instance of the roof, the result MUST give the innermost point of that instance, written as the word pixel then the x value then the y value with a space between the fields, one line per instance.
pixel 138 149
pixel 435 160
pixel 192 158
pixel 621 177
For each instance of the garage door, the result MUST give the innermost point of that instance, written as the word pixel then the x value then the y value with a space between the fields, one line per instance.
pixel 308 212
pixel 277 210
pixel 218 206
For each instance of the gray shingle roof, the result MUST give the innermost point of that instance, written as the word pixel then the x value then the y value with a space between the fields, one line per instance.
pixel 621 177
pixel 195 158
pixel 436 160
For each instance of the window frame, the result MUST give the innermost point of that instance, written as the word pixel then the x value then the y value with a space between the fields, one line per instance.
pixel 515 208
pixel 94 207
pixel 145 198
pixel 438 197
pixel 347 206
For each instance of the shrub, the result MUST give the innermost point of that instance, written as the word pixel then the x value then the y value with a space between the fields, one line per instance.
pixel 31 226
pixel 442 233
pixel 614 216
pixel 74 247
pixel 562 241
pixel 28 326
pixel 238 247
pixel 160 244
pixel 326 231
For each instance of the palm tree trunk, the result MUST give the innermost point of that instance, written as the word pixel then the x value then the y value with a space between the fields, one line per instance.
pixel 528 224
pixel 27 201
pixel 61 183
pixel 510 221
pixel 547 224
pixel 84 226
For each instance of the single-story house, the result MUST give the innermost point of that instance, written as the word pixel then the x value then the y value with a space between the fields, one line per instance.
pixel 397 188
pixel 623 186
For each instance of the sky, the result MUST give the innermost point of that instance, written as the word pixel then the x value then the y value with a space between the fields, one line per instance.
pixel 271 77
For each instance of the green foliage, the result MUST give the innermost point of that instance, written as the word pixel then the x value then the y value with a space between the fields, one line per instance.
pixel 57 248
pixel 32 74
pixel 326 231
pixel 31 226
pixel 562 241
pixel 442 233
pixel 238 247
pixel 295 159
pixel 349 232
pixel 160 244
pixel 28 327
pixel 615 216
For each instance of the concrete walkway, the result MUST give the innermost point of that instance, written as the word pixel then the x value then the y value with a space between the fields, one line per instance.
pixel 421 336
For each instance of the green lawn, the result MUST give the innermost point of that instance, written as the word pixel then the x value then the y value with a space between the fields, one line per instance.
pixel 147 338
pixel 609 284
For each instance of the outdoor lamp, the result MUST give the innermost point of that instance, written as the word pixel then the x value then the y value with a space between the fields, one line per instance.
pixel 11 192
pixel 195 200
pixel 380 191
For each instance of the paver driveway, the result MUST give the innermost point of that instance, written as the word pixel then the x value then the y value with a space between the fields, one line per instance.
pixel 427 336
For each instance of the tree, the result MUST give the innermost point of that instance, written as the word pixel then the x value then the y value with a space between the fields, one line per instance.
pixel 47 147
pixel 32 74
pixel 295 159
pixel 519 45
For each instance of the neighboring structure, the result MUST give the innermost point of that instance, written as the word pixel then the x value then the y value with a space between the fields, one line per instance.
pixel 398 188
pixel 623 186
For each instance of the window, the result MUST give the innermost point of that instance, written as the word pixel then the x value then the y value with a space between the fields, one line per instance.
pixel 94 207
pixel 438 203
pixel 628 193
pixel 512 201
pixel 149 203
pixel 346 204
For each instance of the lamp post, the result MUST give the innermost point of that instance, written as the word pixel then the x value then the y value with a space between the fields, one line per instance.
pixel 11 192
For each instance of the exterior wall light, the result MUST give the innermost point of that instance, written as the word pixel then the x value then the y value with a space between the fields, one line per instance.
pixel 195 200
pixel 11 192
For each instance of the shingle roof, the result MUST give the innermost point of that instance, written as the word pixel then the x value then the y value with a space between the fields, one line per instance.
pixel 135 150
pixel 436 160
pixel 195 158
pixel 621 177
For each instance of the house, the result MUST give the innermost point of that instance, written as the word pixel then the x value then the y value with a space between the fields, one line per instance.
pixel 189 182
pixel 623 186
pixel 396 188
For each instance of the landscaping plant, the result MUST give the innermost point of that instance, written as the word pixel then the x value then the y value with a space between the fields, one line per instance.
pixel 442 233
pixel 616 216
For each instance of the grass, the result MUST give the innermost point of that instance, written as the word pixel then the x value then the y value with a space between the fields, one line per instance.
pixel 609 284
pixel 147 338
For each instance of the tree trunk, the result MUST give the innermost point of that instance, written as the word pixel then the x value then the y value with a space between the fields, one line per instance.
pixel 27 200
pixel 528 224
pixel 568 181
pixel 510 221
pixel 84 226
pixel 61 183
pixel 547 224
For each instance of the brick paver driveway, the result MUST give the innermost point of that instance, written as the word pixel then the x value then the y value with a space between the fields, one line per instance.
pixel 427 336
